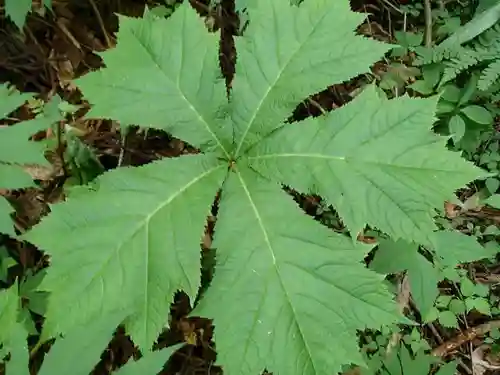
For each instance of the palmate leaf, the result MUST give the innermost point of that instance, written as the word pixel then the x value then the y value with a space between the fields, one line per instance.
pixel 288 294
pixel 289 53
pixel 132 244
pixel 164 74
pixel 292 294
pixel 374 159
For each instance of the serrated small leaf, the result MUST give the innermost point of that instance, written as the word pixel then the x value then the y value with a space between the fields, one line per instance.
pixel 431 315
pixel 480 304
pixel 292 296
pixel 492 184
pixel 118 257
pixel 150 364
pixel 163 73
pixel 448 319
pixel 455 248
pixel 78 352
pixel 467 287
pixel 457 306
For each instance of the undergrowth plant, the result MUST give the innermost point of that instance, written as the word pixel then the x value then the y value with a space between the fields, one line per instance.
pixel 288 294
pixel 17 151
pixel 17 10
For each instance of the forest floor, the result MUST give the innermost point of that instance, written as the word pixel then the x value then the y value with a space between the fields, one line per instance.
pixel 61 45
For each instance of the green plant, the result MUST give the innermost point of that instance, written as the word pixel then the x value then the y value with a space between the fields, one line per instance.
pixel 288 294
pixel 481 54
pixel 17 10
pixel 17 150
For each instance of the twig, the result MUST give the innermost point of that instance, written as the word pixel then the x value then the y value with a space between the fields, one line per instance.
pixel 314 103
pixel 101 23
pixel 403 301
pixel 464 337
pixel 428 23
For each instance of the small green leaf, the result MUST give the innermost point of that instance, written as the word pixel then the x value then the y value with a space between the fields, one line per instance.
pixel 478 114
pixel 448 319
pixel 451 93
pixel 481 290
pixel 457 306
pixel 493 201
pixel 492 184
pixel 457 127
pixel 422 87
pixel 480 304
pixel 443 301
pixel 467 287
pixel 444 107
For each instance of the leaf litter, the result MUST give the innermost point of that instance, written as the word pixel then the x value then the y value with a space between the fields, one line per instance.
pixel 60 47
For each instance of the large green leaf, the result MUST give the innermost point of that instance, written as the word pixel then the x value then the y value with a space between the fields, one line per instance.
pixel 131 244
pixel 150 364
pixel 6 224
pixel 9 304
pixel 13 335
pixel 289 53
pixel 454 248
pixel 163 74
pixel 288 294
pixel 78 352
pixel 375 160
pixel 18 363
